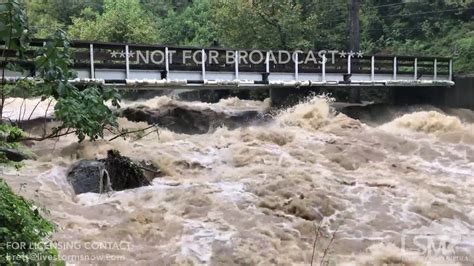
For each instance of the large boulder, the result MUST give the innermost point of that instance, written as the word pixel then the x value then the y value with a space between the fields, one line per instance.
pixel 187 120
pixel 116 172
pixel 89 176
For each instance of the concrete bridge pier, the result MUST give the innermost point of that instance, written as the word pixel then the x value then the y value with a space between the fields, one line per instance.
pixel 418 95
pixel 354 96
pixel 461 95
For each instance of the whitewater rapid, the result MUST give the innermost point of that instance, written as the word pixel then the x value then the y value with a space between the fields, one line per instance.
pixel 255 194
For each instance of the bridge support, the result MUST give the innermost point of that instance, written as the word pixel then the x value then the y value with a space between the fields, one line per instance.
pixel 287 96
pixel 461 95
pixel 355 95
pixel 278 96
pixel 418 95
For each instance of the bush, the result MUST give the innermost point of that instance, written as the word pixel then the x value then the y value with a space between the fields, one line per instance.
pixel 21 223
pixel 9 135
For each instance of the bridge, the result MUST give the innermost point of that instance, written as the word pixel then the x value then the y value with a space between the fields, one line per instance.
pixel 136 66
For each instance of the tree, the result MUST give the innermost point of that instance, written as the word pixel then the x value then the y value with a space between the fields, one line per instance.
pixel 14 35
pixel 269 24
pixel 82 112
pixel 396 26
pixel 121 21
pixel 329 25
pixel 160 8
pixel 192 26
pixel 434 28
pixel 46 16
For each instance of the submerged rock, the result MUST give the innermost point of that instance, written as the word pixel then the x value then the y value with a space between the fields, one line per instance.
pixel 89 176
pixel 183 119
pixel 14 155
pixel 116 172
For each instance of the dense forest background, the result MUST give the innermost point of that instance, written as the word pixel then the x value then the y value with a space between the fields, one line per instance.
pixel 437 27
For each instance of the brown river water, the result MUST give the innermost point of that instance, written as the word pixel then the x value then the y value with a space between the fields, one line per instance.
pixel 399 192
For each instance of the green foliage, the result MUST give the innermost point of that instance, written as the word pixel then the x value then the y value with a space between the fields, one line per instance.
pixel 22 88
pixel 10 133
pixel 85 111
pixel 455 41
pixel 81 111
pixel 121 21
pixel 328 24
pixel 47 16
pixel 21 222
pixel 53 60
pixel 278 24
pixel 160 8
pixel 5 162
pixel 395 29
pixel 14 35
pixel 414 27
pixel 193 26
pixel 237 25
pixel 272 24
pixel 13 26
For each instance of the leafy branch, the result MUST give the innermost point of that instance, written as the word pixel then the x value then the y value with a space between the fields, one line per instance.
pixel 126 132
pixel 14 35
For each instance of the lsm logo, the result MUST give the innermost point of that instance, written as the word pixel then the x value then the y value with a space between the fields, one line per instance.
pixel 439 248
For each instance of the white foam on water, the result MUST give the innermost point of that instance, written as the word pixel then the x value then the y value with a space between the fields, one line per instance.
pixel 258 191
pixel 198 239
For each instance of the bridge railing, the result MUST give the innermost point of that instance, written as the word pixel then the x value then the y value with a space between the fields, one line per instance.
pixel 94 58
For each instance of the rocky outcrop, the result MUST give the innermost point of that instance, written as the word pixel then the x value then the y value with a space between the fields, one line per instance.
pixel 14 155
pixel 123 172
pixel 381 113
pixel 116 172
pixel 89 176
pixel 183 119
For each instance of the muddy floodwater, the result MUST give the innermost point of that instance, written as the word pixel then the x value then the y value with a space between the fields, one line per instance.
pixel 401 191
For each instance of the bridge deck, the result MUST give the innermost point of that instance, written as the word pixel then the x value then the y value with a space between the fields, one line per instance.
pixel 156 66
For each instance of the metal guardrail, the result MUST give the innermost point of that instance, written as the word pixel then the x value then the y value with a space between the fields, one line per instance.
pixel 120 64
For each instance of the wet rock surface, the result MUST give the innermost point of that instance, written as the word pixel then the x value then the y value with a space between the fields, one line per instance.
pixel 182 119
pixel 116 172
pixel 14 155
pixel 87 175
